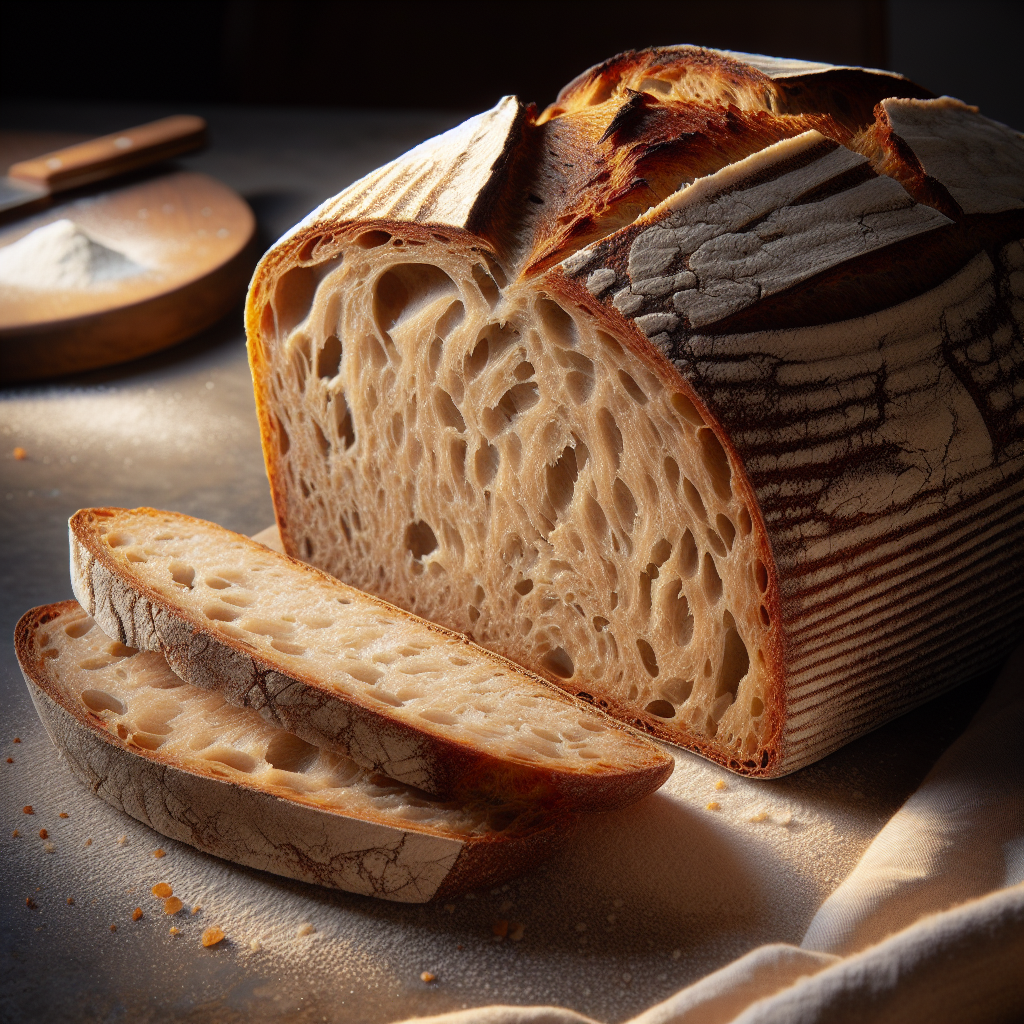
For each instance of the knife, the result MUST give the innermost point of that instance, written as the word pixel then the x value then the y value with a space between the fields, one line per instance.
pixel 31 184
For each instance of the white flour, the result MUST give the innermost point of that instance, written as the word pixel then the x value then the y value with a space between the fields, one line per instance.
pixel 61 256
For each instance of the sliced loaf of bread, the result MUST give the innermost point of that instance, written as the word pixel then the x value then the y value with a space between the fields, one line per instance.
pixel 220 778
pixel 346 671
pixel 697 393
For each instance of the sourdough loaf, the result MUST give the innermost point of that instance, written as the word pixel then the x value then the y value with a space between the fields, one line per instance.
pixel 220 778
pixel 698 393
pixel 343 670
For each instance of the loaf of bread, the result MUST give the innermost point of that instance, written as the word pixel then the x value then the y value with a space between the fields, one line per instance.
pixel 698 394
pixel 345 671
pixel 220 778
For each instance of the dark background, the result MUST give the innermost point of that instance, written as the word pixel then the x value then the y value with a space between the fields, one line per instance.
pixel 463 56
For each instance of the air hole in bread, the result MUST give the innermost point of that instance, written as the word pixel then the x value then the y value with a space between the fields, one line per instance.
pixel 297 650
pixel 288 753
pixel 609 436
pixel 100 700
pixel 625 504
pixel 216 583
pixel 79 628
pixel 116 649
pixel 686 409
pixel 237 759
pixel 761 575
pixel 560 328
pixel 710 580
pixel 518 399
pixel 717 462
pixel 293 297
pixel 372 239
pixel 735 662
pixel 328 360
pixel 726 530
pixel 661 708
pixel 221 613
pixel 632 388
pixel 420 539
pixel 647 657
pixel 182 574
pixel 447 413
pixel 559 663
pixel 118 540
pixel 487 285
pixel 146 740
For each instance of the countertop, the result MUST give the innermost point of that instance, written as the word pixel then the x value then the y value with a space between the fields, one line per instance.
pixel 640 903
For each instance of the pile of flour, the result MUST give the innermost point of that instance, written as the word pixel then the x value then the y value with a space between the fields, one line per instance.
pixel 61 256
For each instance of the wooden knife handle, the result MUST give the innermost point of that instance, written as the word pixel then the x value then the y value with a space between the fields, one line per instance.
pixel 113 154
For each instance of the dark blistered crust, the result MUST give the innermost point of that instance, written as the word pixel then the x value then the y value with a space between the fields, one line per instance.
pixel 215 815
pixel 301 703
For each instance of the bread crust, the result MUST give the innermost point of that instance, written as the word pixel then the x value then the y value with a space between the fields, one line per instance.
pixel 138 616
pixel 884 510
pixel 250 825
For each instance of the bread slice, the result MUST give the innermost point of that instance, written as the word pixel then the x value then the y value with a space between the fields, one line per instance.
pixel 346 671
pixel 697 394
pixel 220 778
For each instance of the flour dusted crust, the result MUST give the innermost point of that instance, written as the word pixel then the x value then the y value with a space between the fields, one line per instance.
pixel 344 670
pixel 698 393
pixel 219 778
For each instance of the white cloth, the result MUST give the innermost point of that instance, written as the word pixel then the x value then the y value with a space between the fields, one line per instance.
pixel 928 927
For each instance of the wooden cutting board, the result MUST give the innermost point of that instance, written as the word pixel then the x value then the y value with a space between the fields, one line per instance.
pixel 196 239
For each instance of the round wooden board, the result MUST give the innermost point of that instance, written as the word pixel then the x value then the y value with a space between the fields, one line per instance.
pixel 194 235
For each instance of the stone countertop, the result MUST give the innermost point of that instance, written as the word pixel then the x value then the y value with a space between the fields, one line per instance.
pixel 642 902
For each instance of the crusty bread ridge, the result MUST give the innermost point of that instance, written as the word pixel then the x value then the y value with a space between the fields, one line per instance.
pixel 698 393
pixel 346 671
pixel 241 789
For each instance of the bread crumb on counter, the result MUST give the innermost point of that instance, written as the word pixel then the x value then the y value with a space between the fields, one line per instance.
pixel 158 853
pixel 27 809
pixel 175 930
pixel 43 834
pixel 137 914
pixel 759 816
pixel 71 901
pixel 15 834
pixel 63 814
pixel 305 929
pixel 721 784
pixel 500 929
pixel 17 739
pixel 212 936
pixel 121 840
pixel 172 905
pixel 255 945
pixel 49 848
pixel 88 842
pixel 10 760
pixel 427 978
pixel 20 455
pixel 162 890
pixel 197 908
pixel 30 903
pixel 714 805
pixel 113 927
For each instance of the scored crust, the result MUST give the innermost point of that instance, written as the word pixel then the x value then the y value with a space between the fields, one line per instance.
pixel 249 792
pixel 341 669
pixel 697 394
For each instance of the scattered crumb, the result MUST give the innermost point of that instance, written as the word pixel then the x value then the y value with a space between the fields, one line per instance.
pixel 786 818
pixel 113 927
pixel 162 890
pixel 49 848
pixel 159 853
pixel 27 809
pixel 197 908
pixel 255 945
pixel 30 903
pixel 71 901
pixel 759 816
pixel 63 814
pixel 88 842
pixel 43 834
pixel 175 930
pixel 714 805
pixel 212 936
pixel 17 739
pixel 500 928
pixel 19 453
pixel 450 907
pixel 172 905
pixel 305 929
pixel 460 947
pixel 121 840
pixel 15 834
pixel 10 760
pixel 515 932
pixel 427 978
pixel 137 914
pixel 721 784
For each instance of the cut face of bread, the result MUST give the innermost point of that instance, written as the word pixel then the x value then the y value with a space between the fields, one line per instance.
pixel 196 769
pixel 697 395
pixel 346 671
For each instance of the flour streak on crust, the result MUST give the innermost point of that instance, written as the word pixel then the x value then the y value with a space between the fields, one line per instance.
pixel 197 770
pixel 710 413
